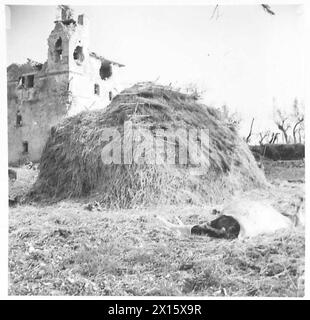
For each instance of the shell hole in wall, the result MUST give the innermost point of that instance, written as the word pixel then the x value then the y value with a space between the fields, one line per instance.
pixel 105 70
pixel 78 55
pixel 96 89
pixel 21 81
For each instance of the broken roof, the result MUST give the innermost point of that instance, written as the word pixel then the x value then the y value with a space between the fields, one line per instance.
pixel 102 59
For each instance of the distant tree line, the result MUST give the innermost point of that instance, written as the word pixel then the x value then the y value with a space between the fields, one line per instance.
pixel 289 126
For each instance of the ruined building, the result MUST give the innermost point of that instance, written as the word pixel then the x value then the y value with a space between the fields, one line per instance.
pixel 71 80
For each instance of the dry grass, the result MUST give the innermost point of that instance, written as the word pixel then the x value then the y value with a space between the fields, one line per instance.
pixel 24 182
pixel 293 171
pixel 66 250
pixel 63 249
pixel 71 164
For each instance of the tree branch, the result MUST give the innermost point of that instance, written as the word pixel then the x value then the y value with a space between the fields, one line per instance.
pixel 267 8
pixel 247 140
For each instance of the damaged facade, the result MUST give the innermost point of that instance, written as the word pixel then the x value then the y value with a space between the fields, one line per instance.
pixel 72 79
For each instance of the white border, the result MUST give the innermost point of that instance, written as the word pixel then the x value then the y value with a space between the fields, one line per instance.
pixel 3 145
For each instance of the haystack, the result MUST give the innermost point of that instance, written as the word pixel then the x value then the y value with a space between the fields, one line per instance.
pixel 72 165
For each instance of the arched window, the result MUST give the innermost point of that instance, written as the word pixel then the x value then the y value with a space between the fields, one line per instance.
pixel 25 147
pixel 19 119
pixel 58 49
pixel 30 81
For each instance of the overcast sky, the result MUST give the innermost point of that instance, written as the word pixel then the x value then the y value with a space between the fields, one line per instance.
pixel 243 58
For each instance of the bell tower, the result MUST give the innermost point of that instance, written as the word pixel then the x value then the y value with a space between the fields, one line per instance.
pixel 68 42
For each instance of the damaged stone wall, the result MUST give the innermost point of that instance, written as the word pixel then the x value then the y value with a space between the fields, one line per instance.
pixel 70 81
pixel 83 84
pixel 32 111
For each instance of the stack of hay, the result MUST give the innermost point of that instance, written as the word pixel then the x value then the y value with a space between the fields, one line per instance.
pixel 72 166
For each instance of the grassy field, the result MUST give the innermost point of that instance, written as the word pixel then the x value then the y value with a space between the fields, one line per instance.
pixel 65 249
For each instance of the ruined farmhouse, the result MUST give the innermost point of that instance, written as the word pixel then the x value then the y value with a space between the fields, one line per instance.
pixel 72 79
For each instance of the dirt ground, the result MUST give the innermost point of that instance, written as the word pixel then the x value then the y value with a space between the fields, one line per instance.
pixel 67 249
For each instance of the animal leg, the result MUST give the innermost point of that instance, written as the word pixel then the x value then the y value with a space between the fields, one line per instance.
pixel 180 229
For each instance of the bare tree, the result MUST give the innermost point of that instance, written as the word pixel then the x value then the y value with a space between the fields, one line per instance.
pixel 262 136
pixel 247 140
pixel 274 138
pixel 298 118
pixel 301 133
pixel 281 120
